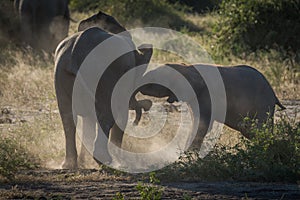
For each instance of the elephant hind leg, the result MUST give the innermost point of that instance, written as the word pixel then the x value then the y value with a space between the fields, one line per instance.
pixel 266 120
pixel 116 136
pixel 202 130
pixel 70 161
pixel 87 137
pixel 100 148
pixel 27 34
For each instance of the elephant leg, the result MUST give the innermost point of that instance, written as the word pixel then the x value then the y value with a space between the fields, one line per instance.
pixel 116 135
pixel 88 135
pixel 70 161
pixel 201 132
pixel 100 151
pixel 135 105
pixel 115 145
pixel 44 38
pixel 27 29
pixel 138 106
pixel 266 118
pixel 200 128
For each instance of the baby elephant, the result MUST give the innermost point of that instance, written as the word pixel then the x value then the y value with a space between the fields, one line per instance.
pixel 69 56
pixel 248 94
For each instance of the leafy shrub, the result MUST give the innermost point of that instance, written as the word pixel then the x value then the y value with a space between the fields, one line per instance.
pixel 150 192
pixel 148 12
pixel 270 156
pixel 119 196
pixel 199 6
pixel 13 158
pixel 251 25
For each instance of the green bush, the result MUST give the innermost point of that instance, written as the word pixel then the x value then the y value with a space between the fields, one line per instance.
pixel 270 156
pixel 251 25
pixel 137 12
pixel 202 6
pixel 13 158
pixel 150 192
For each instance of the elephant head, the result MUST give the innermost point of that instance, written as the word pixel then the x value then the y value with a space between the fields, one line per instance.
pixel 103 21
pixel 158 91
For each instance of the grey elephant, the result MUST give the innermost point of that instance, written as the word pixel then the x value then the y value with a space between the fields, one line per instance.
pixel 248 94
pixel 69 56
pixel 44 23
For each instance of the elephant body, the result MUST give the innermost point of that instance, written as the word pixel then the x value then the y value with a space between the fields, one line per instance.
pixel 44 23
pixel 69 55
pixel 248 94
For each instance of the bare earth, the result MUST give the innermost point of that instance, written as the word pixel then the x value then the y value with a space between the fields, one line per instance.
pixel 94 184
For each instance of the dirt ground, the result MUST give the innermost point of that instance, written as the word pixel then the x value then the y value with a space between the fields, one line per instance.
pixel 94 184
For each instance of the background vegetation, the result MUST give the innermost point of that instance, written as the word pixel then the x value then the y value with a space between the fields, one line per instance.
pixel 269 157
pixel 263 34
pixel 253 25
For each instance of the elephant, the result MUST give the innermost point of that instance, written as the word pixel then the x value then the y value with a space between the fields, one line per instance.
pixel 248 94
pixel 69 56
pixel 43 23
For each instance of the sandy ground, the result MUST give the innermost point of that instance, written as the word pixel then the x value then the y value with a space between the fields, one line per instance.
pixel 93 184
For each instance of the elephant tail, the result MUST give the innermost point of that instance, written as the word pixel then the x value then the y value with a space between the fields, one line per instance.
pixel 72 20
pixel 279 104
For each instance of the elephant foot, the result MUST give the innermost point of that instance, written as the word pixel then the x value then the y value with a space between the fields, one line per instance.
pixel 136 122
pixel 116 164
pixel 69 164
pixel 105 159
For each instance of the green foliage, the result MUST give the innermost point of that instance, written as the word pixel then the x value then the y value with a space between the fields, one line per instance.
pixel 251 25
pixel 137 12
pixel 270 156
pixel 199 6
pixel 150 192
pixel 187 197
pixel 119 196
pixel 13 158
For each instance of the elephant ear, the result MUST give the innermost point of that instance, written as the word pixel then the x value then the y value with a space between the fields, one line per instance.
pixel 84 44
pixel 105 22
pixel 88 23
pixel 144 54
